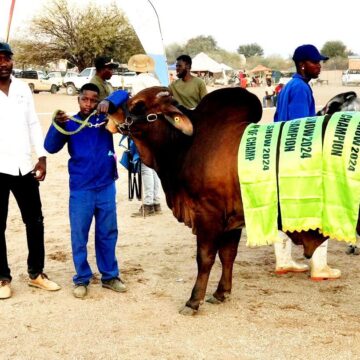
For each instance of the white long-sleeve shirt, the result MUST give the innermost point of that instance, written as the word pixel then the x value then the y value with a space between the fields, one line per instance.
pixel 20 130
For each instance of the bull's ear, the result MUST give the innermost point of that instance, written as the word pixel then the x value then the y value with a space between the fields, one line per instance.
pixel 179 120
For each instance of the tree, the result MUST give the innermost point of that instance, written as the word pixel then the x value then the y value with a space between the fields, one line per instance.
pixel 173 51
pixel 199 44
pixel 250 50
pixel 334 49
pixel 62 32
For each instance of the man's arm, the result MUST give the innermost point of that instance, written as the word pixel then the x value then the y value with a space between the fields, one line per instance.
pixel 113 101
pixel 54 140
pixel 37 140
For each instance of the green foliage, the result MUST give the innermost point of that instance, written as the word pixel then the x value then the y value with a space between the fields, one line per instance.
pixel 62 32
pixel 199 44
pixel 173 51
pixel 334 49
pixel 336 63
pixel 250 50
pixel 205 44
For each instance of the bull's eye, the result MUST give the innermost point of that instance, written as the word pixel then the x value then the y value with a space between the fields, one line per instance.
pixel 176 119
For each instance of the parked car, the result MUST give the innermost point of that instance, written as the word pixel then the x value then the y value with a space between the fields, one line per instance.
pixel 38 82
pixel 351 77
pixel 74 81
pixel 57 77
pixel 16 72
pixel 126 79
pixel 68 75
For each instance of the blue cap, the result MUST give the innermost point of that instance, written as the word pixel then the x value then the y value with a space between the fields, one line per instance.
pixel 5 47
pixel 308 52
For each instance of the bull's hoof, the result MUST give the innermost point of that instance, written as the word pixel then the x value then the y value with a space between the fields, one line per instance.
pixel 187 311
pixel 213 300
pixel 218 300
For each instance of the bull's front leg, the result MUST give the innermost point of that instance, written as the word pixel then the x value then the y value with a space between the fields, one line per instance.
pixel 228 247
pixel 205 257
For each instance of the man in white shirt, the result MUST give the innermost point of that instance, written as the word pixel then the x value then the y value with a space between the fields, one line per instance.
pixel 19 131
pixel 143 64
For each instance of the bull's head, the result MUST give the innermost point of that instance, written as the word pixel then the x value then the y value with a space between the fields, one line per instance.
pixel 149 105
pixel 346 101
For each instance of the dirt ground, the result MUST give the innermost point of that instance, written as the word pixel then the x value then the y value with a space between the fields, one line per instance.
pixel 267 316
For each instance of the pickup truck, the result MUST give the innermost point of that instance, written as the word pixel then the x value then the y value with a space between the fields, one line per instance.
pixel 38 82
pixel 351 77
pixel 118 80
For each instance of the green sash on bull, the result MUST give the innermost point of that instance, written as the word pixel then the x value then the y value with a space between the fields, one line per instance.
pixel 319 184
pixel 300 174
pixel 257 173
pixel 341 176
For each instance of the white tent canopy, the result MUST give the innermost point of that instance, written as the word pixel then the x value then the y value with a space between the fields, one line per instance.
pixel 226 67
pixel 203 62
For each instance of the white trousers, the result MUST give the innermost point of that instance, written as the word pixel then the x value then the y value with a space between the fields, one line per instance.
pixel 151 185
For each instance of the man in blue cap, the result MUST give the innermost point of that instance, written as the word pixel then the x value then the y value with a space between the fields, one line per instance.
pixel 20 131
pixel 296 99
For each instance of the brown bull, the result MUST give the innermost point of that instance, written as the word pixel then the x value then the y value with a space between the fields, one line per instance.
pixel 195 156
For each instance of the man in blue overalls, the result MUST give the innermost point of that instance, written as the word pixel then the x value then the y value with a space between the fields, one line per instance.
pixel 92 170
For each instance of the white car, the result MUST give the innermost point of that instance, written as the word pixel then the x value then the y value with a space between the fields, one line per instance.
pixel 56 77
pixel 119 80
pixel 351 77
pixel 126 79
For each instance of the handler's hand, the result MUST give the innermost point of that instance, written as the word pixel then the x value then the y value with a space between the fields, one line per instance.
pixel 61 117
pixel 39 171
pixel 103 107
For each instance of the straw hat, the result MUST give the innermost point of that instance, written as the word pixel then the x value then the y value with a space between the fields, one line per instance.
pixel 141 63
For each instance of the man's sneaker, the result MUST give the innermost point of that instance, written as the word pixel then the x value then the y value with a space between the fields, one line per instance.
pixel 5 289
pixel 145 210
pixel 115 284
pixel 43 282
pixel 80 291
pixel 157 208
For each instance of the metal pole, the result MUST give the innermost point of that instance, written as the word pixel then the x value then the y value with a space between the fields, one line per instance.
pixel 158 20
pixel 10 19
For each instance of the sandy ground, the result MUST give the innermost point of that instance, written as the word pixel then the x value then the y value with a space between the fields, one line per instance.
pixel 267 316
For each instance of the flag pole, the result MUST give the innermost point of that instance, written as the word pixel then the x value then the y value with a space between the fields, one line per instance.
pixel 158 20
pixel 10 19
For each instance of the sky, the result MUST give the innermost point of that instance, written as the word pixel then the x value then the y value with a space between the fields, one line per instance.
pixel 278 26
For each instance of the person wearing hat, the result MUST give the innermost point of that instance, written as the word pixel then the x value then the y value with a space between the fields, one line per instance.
pixel 187 90
pixel 104 71
pixel 144 65
pixel 296 101
pixel 20 130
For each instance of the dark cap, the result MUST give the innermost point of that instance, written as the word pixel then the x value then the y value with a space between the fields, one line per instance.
pixel 102 62
pixel 308 52
pixel 5 47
